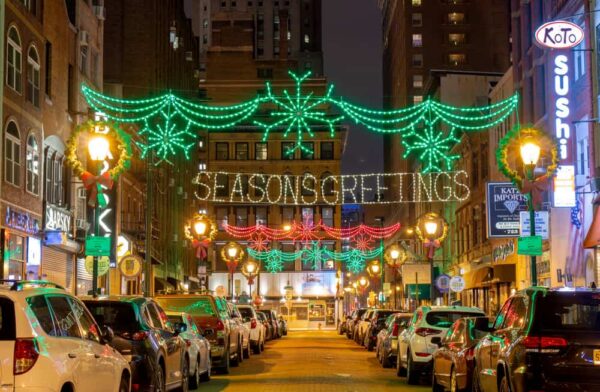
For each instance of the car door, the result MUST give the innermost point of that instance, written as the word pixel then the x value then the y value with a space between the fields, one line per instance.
pixel 443 355
pixel 172 343
pixel 404 338
pixel 485 365
pixel 203 351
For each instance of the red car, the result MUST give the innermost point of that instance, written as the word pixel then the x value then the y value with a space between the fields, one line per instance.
pixel 453 362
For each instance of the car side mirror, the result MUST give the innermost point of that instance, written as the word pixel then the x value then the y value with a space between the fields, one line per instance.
pixel 107 334
pixel 437 341
pixel 179 327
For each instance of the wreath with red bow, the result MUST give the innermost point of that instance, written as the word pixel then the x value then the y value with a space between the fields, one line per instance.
pixel 95 183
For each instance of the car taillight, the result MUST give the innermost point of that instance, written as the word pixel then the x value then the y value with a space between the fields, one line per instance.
pixel 544 344
pixel 427 331
pixel 396 330
pixel 220 326
pixel 470 354
pixel 253 323
pixel 25 355
pixel 139 336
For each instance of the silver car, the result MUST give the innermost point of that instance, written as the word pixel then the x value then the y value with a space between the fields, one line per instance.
pixel 387 339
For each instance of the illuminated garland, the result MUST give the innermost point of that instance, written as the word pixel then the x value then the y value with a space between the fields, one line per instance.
pixel 354 259
pixel 168 120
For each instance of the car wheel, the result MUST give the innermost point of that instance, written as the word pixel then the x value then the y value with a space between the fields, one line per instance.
pixel 159 380
pixel 400 370
pixel 475 382
pixel 504 386
pixel 225 368
pixel 204 377
pixel 453 381
pixel 385 360
pixel 185 374
pixel 256 348
pixel 412 377
pixel 237 358
pixel 124 385
pixel 370 345
pixel 262 345
pixel 194 379
pixel 435 387
pixel 247 351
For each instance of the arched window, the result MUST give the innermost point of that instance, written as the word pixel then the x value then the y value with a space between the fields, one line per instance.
pixel 308 184
pixel 33 77
pixel 33 166
pixel 13 60
pixel 327 184
pixel 12 154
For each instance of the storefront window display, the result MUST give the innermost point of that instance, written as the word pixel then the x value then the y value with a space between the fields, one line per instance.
pixel 14 253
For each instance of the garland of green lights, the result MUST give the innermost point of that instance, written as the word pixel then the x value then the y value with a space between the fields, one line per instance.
pixel 275 259
pixel 429 130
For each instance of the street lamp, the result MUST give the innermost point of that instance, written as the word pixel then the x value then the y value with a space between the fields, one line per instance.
pixel 201 230
pixel 530 153
pixel 232 253
pixel 98 148
pixel 250 270
pixel 431 230
pixel 395 256
pixel 374 269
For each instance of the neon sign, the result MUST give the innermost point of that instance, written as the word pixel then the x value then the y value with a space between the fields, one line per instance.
pixel 559 34
pixel 561 106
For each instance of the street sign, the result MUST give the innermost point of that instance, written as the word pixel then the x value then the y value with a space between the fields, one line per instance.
pixel 504 202
pixel 530 246
pixel 559 34
pixel 442 283
pixel 457 284
pixel 564 186
pixel 97 246
pixel 542 226
pixel 130 266
pixel 103 265
pixel 416 273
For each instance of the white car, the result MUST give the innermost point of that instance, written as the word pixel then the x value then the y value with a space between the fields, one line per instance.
pixel 198 348
pixel 257 328
pixel 414 344
pixel 49 342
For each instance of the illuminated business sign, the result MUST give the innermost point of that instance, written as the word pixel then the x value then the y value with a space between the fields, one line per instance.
pixel 308 189
pixel 559 34
pixel 564 187
pixel 562 105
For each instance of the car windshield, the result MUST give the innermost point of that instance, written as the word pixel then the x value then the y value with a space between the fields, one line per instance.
pixel 382 315
pixel 568 311
pixel 119 316
pixel 175 319
pixel 444 319
pixel 246 312
pixel 195 306
pixel 360 313
pixel 7 319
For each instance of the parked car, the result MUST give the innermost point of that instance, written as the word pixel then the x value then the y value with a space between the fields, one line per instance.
pixel 269 329
pixel 198 348
pixel 544 340
pixel 387 339
pixel 49 341
pixel 272 317
pixel 282 325
pixel 415 348
pixel 244 329
pixel 353 321
pixel 453 361
pixel 144 336
pixel 360 330
pixel 376 324
pixel 211 315
pixel 342 325
pixel 257 328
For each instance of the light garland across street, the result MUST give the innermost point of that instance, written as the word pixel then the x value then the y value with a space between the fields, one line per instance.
pixel 287 189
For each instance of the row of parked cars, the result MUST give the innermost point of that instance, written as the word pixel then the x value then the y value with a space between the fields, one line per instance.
pixel 51 340
pixel 541 340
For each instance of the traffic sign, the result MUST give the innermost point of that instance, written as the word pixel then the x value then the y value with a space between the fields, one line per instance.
pixel 457 284
pixel 442 283
pixel 530 246
pixel 542 226
pixel 103 265
pixel 97 246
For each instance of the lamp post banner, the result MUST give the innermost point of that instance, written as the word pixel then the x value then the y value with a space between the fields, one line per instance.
pixel 504 204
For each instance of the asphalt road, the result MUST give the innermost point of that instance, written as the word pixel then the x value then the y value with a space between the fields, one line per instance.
pixel 311 361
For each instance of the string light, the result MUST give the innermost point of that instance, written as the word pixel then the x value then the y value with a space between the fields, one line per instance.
pixel 299 113
pixel 287 189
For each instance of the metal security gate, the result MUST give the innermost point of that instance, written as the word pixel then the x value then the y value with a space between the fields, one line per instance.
pixel 57 267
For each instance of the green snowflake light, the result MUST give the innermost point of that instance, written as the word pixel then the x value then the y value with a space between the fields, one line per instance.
pixel 298 112
pixel 432 146
pixel 314 256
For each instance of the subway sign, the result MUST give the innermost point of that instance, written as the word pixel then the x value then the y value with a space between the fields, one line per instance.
pixel 559 34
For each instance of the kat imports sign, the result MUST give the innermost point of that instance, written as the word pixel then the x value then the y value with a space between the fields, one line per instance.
pixel 504 204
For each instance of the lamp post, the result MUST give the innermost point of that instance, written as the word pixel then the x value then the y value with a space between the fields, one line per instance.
pixel 98 148
pixel 232 253
pixel 250 271
pixel 431 230
pixel 530 154
pixel 395 256
pixel 362 284
pixel 201 230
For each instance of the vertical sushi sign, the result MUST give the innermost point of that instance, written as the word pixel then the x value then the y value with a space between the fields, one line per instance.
pixel 560 35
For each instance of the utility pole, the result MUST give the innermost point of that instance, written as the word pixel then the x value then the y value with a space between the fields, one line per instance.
pixel 149 211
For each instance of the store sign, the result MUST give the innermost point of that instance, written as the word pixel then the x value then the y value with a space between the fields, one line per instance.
pixel 500 253
pixel 530 246
pixel 564 187
pixel 103 265
pixel 504 203
pixel 21 220
pixel 97 246
pixel 457 284
pixel 542 224
pixel 34 251
pixel 559 34
pixel 442 283
pixel 130 266
pixel 562 108
pixel 57 219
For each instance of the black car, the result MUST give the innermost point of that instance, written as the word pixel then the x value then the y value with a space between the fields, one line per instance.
pixel 272 318
pixel 377 324
pixel 145 337
pixel 269 329
pixel 542 340
pixel 353 320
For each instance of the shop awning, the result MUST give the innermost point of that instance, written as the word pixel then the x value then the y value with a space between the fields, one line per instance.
pixel 162 285
pixel 423 289
pixel 592 239
pixel 502 273
pixel 476 278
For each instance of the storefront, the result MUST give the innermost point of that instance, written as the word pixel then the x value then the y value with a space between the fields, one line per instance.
pixel 18 227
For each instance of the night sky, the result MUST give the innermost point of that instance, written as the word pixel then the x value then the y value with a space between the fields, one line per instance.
pixel 352 50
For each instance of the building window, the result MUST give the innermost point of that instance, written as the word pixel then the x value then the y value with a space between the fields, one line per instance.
pixel 417 99
pixel 260 151
pixel 456 18
pixel 307 151
pixel 241 216
pixel 308 216
pixel 457 39
pixel 57 184
pixel 287 150
pixel 12 154
pixel 327 185
pixel 95 71
pixel 83 59
pixel 33 77
pixel 417 60
pixel 48 70
pixel 308 185
pixel 417 40
pixel 579 57
pixel 417 20
pixel 222 218
pixel 222 187
pixel 261 185
pixel 418 81
pixel 264 73
pixel 222 151
pixel 241 151
pixel 260 216
pixel 416 3
pixel 287 215
pixel 33 166
pixel 457 58
pixel 326 150
pixel 327 216
pixel 13 60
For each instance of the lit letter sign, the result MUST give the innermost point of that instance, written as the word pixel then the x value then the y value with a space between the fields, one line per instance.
pixel 559 34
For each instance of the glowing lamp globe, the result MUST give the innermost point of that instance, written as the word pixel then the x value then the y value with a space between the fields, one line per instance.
pixel 431 227
pixel 250 267
pixel 530 153
pixel 287 227
pixel 232 252
pixel 362 281
pixel 98 148
pixel 375 268
pixel 395 254
pixel 200 227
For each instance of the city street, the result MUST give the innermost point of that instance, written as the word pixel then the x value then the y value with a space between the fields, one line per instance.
pixel 311 361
